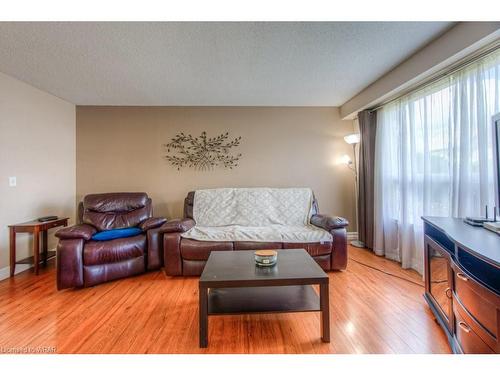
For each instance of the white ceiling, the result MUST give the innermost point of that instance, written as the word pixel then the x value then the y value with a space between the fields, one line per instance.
pixel 208 64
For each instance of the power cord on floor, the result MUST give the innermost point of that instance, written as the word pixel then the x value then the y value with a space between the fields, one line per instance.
pixel 387 273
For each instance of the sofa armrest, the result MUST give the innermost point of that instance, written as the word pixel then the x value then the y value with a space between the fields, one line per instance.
pixel 172 253
pixel 167 235
pixel 329 222
pixel 79 231
pixel 70 263
pixel 155 248
pixel 152 222
pixel 178 225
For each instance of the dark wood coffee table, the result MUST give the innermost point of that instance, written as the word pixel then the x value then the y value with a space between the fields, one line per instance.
pixel 231 283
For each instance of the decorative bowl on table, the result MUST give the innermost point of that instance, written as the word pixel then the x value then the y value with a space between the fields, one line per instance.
pixel 266 258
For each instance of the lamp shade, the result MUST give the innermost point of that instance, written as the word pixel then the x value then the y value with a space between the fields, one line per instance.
pixel 352 138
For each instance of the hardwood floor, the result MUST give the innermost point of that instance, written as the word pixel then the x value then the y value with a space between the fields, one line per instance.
pixel 371 312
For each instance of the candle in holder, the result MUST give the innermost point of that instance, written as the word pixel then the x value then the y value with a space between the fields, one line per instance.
pixel 266 258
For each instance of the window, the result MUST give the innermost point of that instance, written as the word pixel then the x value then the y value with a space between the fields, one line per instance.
pixel 434 157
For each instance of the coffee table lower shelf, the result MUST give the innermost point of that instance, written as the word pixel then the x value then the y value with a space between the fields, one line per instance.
pixel 262 300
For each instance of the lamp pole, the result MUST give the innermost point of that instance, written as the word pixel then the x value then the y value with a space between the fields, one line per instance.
pixel 356 243
pixel 353 139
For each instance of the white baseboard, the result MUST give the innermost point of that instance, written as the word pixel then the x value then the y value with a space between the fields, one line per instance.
pixel 352 236
pixel 5 272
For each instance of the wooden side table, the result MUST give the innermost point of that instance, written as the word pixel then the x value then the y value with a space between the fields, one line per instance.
pixel 35 227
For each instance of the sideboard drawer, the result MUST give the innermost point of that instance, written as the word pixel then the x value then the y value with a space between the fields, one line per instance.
pixel 481 303
pixel 468 339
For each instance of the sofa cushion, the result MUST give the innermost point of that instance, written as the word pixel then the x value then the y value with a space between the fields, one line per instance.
pixel 314 249
pixel 252 245
pixel 189 202
pixel 101 273
pixel 252 207
pixel 103 252
pixel 114 220
pixel 116 210
pixel 270 233
pixel 200 250
pixel 113 234
pixel 115 202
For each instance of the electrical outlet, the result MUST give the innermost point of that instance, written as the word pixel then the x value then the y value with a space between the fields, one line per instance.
pixel 12 181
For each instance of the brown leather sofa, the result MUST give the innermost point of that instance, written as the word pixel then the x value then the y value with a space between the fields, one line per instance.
pixel 187 257
pixel 82 262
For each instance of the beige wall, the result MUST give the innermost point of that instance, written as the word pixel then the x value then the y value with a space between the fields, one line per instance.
pixel 119 149
pixel 37 145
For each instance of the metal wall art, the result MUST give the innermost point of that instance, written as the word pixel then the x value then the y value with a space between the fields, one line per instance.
pixel 202 153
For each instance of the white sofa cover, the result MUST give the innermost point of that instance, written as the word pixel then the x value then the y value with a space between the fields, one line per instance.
pixel 255 214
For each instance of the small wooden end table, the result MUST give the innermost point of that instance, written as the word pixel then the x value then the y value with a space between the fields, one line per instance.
pixel 35 227
pixel 231 283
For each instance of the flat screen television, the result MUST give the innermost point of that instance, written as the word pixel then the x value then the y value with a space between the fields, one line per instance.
pixel 496 148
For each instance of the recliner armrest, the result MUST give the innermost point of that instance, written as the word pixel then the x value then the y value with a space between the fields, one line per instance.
pixel 79 231
pixel 177 225
pixel 151 223
pixel 329 222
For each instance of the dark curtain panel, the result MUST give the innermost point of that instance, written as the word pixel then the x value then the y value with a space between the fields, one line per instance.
pixel 367 127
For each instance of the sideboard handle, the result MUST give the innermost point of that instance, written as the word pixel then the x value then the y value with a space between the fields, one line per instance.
pixel 448 292
pixel 461 276
pixel 464 326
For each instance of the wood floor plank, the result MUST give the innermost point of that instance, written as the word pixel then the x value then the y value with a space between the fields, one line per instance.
pixel 371 312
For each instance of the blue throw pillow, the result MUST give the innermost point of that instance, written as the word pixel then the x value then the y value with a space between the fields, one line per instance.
pixel 112 234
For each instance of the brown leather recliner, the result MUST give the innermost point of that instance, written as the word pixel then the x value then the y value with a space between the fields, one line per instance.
pixel 184 256
pixel 82 262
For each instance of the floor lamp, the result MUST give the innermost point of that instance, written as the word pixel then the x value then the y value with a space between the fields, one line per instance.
pixel 353 139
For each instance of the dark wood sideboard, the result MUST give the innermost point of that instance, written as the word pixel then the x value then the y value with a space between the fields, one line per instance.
pixel 462 283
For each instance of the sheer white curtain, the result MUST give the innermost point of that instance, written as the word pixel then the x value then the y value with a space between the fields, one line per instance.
pixel 434 157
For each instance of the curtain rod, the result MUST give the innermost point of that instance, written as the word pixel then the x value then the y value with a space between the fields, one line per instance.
pixel 467 61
